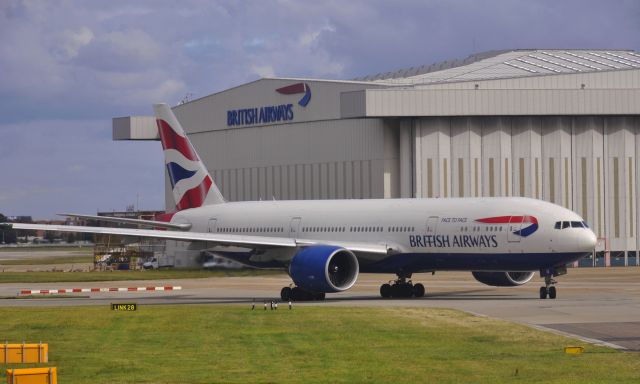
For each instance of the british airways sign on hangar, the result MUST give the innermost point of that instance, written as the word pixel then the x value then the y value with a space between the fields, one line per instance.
pixel 270 113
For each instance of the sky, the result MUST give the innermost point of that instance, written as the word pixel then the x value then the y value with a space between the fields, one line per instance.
pixel 68 67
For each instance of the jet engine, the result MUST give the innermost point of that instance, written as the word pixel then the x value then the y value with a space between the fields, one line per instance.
pixel 324 268
pixel 503 279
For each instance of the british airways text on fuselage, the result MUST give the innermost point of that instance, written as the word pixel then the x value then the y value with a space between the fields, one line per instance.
pixel 457 241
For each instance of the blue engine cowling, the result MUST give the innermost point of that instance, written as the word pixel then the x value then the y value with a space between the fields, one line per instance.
pixel 503 279
pixel 324 268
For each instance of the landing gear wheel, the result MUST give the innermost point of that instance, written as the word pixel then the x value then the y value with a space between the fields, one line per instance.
pixel 285 294
pixel 402 290
pixel 402 287
pixel 549 290
pixel 385 290
pixel 552 292
pixel 543 292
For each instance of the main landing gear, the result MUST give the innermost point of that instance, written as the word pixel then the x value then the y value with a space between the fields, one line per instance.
pixel 299 294
pixel 402 288
pixel 549 290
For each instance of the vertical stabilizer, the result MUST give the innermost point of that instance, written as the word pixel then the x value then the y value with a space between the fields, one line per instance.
pixel 191 182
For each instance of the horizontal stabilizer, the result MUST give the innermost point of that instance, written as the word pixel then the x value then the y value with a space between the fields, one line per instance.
pixel 123 220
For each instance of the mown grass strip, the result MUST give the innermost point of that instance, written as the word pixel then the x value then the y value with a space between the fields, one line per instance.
pixel 161 274
pixel 206 344
pixel 70 248
pixel 80 259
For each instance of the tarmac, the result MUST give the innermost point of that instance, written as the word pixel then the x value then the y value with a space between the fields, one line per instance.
pixel 598 305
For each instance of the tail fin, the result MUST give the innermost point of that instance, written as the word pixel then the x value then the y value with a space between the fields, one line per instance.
pixel 191 182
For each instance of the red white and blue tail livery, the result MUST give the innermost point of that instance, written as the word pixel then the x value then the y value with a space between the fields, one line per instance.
pixel 192 184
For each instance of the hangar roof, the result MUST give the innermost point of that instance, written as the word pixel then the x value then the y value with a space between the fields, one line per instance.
pixel 513 63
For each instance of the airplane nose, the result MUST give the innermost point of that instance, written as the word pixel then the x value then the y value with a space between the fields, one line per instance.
pixel 587 240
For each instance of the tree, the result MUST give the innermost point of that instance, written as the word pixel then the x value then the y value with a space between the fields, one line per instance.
pixel 71 237
pixel 50 236
pixel 7 236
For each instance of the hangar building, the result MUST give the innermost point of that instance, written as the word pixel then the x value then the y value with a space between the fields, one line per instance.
pixel 559 125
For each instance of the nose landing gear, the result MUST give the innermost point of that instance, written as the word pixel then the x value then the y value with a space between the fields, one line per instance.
pixel 402 288
pixel 549 290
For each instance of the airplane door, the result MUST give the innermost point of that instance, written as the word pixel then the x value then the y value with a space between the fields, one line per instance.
pixel 213 226
pixel 294 227
pixel 515 224
pixel 432 225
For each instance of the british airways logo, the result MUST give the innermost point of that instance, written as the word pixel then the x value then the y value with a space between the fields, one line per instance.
pixel 270 113
pixel 295 89
pixel 527 224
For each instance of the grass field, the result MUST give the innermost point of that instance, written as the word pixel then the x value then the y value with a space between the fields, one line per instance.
pixel 86 249
pixel 208 344
pixel 158 274
pixel 72 259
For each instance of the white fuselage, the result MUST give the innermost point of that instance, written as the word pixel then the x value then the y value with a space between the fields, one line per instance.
pixel 426 234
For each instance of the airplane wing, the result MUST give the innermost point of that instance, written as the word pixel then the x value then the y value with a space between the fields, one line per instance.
pixel 214 238
pixel 147 223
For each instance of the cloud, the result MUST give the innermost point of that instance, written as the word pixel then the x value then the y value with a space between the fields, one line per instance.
pixel 263 70
pixel 74 40
pixel 121 51
pixel 309 38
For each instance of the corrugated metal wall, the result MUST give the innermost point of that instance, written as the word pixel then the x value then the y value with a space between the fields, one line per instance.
pixel 586 163
pixel 335 159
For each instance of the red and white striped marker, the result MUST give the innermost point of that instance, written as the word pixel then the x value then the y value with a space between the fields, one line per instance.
pixel 97 290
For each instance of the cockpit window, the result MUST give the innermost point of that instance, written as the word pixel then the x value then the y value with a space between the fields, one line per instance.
pixel 570 224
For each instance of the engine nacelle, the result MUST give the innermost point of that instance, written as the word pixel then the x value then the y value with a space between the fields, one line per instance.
pixel 324 268
pixel 503 279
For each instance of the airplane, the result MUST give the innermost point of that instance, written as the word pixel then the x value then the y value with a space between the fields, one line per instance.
pixel 324 244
